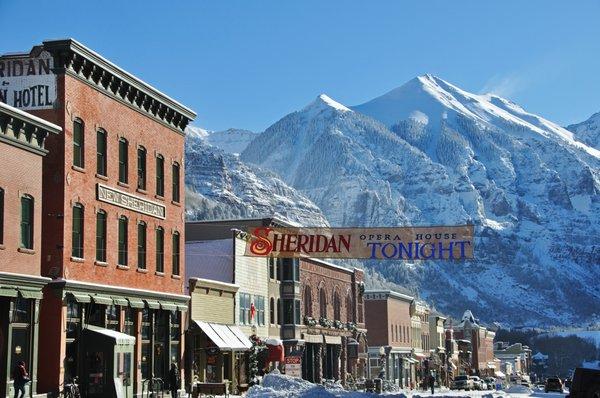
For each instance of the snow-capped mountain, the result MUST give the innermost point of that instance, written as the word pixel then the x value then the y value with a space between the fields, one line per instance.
pixel 220 186
pixel 231 140
pixel 430 153
pixel 588 131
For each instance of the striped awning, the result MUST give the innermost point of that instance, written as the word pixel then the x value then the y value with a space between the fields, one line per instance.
pixel 226 337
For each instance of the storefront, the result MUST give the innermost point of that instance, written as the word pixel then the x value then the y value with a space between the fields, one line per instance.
pixel 20 297
pixel 103 322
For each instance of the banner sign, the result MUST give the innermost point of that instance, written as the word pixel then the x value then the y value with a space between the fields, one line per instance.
pixel 28 82
pixel 128 201
pixel 399 243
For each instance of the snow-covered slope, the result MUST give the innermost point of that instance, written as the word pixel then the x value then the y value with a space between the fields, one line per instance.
pixel 588 131
pixel 430 153
pixel 231 140
pixel 220 186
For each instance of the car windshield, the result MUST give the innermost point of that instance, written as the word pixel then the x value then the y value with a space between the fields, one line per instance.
pixel 460 378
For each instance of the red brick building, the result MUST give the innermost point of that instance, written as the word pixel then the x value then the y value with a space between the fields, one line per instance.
pixel 333 321
pixel 388 316
pixel 22 139
pixel 482 361
pixel 113 219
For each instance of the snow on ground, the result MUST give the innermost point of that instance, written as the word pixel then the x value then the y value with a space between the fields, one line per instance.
pixel 280 386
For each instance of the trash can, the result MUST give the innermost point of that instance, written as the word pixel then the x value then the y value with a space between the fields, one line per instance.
pixel 378 385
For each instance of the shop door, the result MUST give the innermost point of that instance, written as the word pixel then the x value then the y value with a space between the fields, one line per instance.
pixel 308 363
pixel 329 359
pixel 160 361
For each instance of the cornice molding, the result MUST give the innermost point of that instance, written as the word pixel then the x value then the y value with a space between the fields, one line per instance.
pixel 24 130
pixel 73 58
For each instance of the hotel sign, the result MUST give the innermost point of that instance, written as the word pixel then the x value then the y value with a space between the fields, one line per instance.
pixel 28 82
pixel 130 202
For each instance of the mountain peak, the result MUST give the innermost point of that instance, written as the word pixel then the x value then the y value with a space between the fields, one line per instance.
pixel 325 102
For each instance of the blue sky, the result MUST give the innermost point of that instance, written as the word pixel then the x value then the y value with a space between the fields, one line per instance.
pixel 246 64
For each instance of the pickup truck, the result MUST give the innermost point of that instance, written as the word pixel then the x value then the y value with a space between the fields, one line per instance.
pixel 585 384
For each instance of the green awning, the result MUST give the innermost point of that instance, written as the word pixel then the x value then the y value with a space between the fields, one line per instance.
pixel 168 306
pixel 135 302
pixel 102 300
pixel 81 297
pixel 153 304
pixel 120 301
pixel 7 291
pixel 31 294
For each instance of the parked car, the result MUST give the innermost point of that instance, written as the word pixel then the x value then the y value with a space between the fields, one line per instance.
pixel 525 383
pixel 585 384
pixel 553 384
pixel 462 382
pixel 490 383
pixel 478 383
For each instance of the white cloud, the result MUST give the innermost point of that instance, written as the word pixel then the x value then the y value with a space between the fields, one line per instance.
pixel 504 86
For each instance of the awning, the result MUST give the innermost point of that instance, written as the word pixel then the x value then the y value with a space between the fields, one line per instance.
pixel 153 304
pixel 31 294
pixel 81 297
pixel 182 307
pixel 227 338
pixel 120 301
pixel 410 360
pixel 168 306
pixel 102 300
pixel 118 337
pixel 135 303
pixel 8 291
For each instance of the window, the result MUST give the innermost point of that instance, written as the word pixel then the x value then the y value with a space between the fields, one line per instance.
pixel 113 313
pixel 279 316
pixel 176 178
pixel 27 222
pixel 308 301
pixel 123 160
pixel 146 331
pixel 160 250
pixel 260 309
pixel 73 329
pixel 176 252
pixel 244 308
pixel 21 332
pixel 141 168
pixel 271 261
pixel 336 306
pixel 101 152
pixel 78 137
pixel 77 231
pixel 129 321
pixel 297 312
pixel 296 269
pixel 123 224
pixel 322 303
pixel 160 175
pixel 288 269
pixel 175 337
pixel 349 308
pixel 272 311
pixel 101 236
pixel 1 216
pixel 141 245
pixel 288 312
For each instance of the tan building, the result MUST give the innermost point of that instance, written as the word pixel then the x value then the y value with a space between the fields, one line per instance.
pixel 216 346
pixel 388 320
pixel 437 342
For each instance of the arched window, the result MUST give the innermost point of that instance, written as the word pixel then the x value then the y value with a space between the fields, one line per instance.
pixel 78 137
pixel 141 245
pixel 77 231
pixel 176 177
pixel 27 222
pixel 160 175
pixel 272 311
pixel 123 161
pixel 1 216
pixel 279 320
pixel 160 249
pixel 308 302
pixel 349 308
pixel 123 239
pixel 176 256
pixel 141 168
pixel 322 303
pixel 101 236
pixel 101 152
pixel 336 306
